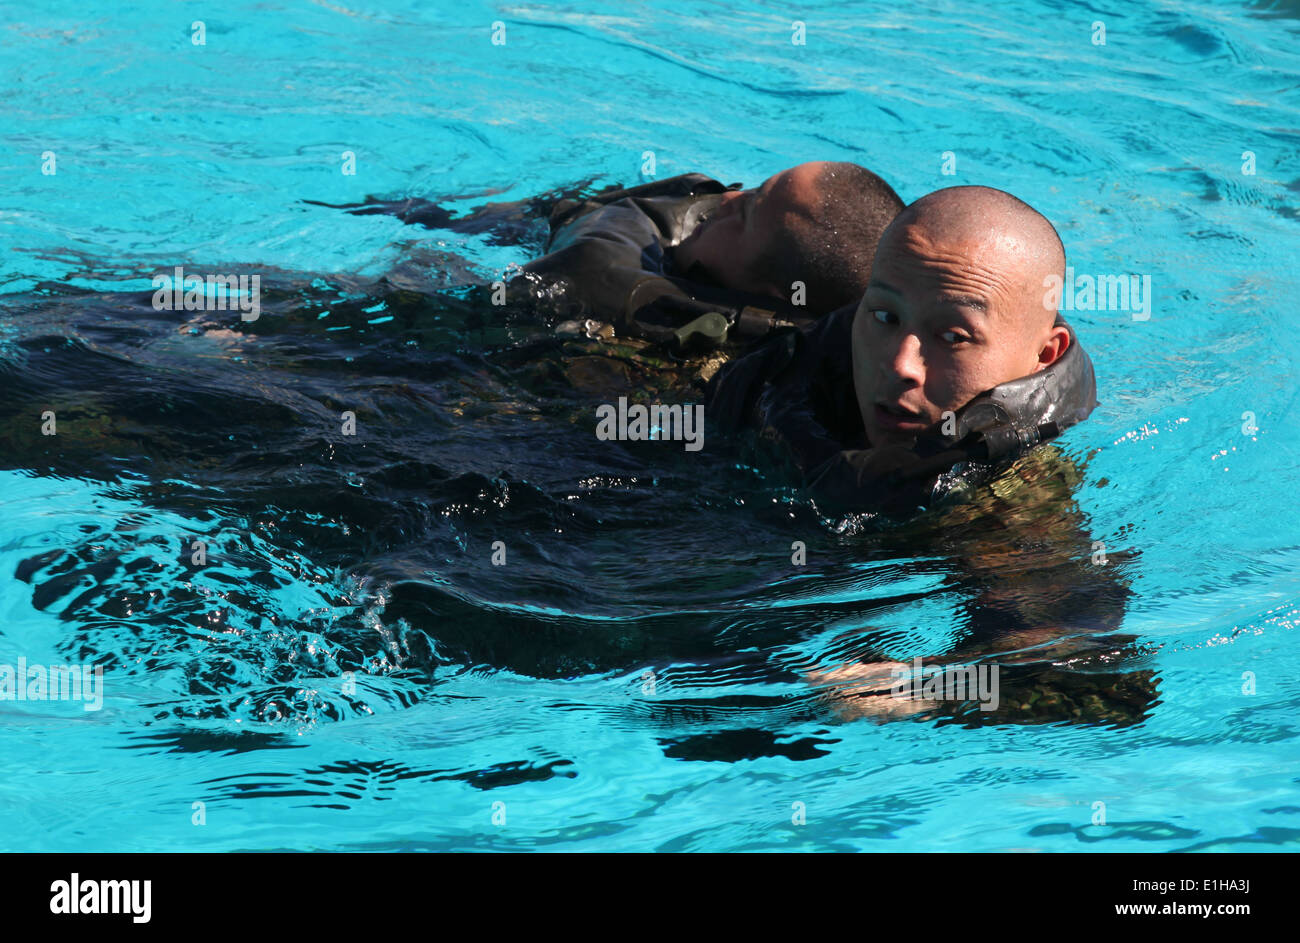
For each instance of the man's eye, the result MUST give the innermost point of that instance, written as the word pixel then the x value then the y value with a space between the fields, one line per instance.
pixel 952 337
pixel 881 315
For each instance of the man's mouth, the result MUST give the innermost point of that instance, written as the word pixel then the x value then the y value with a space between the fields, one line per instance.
pixel 897 416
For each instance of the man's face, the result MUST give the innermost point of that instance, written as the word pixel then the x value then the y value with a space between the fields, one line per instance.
pixel 942 321
pixel 728 242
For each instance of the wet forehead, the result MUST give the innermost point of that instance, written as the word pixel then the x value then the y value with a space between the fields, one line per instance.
pixel 978 269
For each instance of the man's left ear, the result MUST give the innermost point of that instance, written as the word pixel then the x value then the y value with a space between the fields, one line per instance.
pixel 1058 342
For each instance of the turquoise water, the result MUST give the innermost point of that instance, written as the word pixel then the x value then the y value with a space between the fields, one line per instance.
pixel 519 692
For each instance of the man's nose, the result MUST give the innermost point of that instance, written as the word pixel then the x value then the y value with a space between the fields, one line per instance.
pixel 904 361
pixel 732 195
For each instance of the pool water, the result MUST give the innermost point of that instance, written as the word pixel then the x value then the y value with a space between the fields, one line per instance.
pixel 348 669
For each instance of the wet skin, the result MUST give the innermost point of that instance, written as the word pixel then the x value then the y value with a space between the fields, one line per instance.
pixel 945 317
pixel 727 243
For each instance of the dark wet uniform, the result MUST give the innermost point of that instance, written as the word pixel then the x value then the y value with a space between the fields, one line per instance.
pixel 610 257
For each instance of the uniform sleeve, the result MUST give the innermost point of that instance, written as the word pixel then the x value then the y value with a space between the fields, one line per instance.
pixel 733 392
pixel 772 389
pixel 565 211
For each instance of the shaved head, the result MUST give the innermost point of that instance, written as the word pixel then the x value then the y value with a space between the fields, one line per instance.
pixel 817 223
pixel 999 229
pixel 958 303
